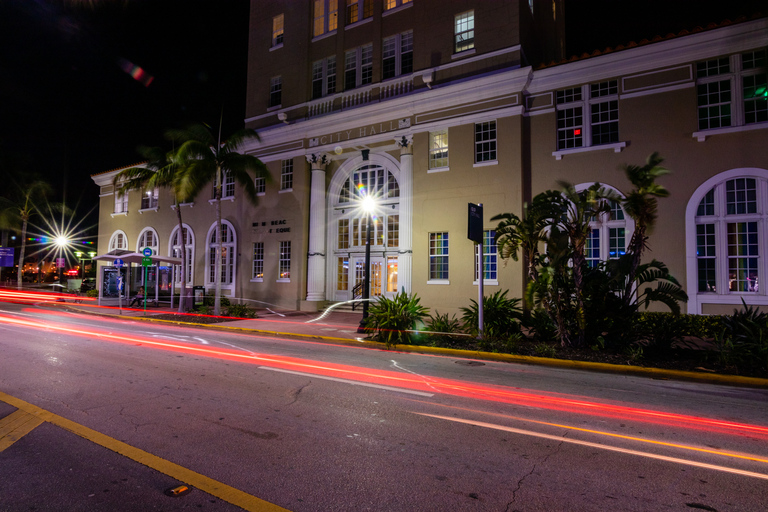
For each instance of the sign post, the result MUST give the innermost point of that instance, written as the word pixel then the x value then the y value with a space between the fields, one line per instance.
pixel 475 233
pixel 118 263
pixel 146 261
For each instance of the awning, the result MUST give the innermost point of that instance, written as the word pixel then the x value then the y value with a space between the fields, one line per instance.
pixel 135 257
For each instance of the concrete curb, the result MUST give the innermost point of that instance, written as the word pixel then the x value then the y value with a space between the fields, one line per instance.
pixel 639 371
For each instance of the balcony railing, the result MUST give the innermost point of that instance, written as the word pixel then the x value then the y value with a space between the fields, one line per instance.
pixel 359 97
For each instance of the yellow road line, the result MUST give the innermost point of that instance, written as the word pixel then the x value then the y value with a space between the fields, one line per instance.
pixel 180 473
pixel 15 426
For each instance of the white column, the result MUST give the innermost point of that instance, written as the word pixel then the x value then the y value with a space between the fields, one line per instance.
pixel 316 254
pixel 404 260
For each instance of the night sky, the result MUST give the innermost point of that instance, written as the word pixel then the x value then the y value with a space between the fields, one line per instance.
pixel 72 104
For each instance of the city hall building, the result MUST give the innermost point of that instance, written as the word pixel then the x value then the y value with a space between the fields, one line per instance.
pixel 430 109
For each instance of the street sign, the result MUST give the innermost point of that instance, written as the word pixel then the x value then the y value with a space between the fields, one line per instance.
pixel 6 256
pixel 147 251
pixel 118 263
pixel 475 223
pixel 146 261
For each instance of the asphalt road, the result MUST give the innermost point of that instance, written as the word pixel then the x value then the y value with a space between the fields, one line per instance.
pixel 119 411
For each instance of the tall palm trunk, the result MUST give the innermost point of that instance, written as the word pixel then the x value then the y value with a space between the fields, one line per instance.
pixel 20 272
pixel 217 262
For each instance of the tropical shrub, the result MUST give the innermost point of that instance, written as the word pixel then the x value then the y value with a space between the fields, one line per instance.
pixel 241 311
pixel 92 293
pixel 442 330
pixel 501 316
pixel 209 300
pixel 392 319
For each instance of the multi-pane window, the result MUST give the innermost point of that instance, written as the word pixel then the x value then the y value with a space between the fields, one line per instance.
pixel 149 198
pixel 438 256
pixel 323 77
pixel 358 67
pixel 118 242
pixel 189 248
pixel 275 91
pixel 359 10
pixel 258 260
pixel 147 238
pixel 729 230
pixel 325 14
pixel 485 141
pixel 277 30
pixel 464 31
pixel 731 91
pixel 603 108
pixel 391 4
pixel 260 184
pixel 397 55
pixel 438 149
pixel 490 257
pixel 286 175
pixel 227 187
pixel 342 273
pixel 121 202
pixel 607 237
pixel 227 247
pixel 284 262
pixel 393 230
pixel 343 234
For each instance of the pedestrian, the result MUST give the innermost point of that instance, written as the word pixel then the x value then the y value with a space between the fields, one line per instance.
pixel 138 297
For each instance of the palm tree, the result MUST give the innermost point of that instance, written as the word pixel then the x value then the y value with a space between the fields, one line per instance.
pixel 206 160
pixel 641 205
pixel 16 212
pixel 161 170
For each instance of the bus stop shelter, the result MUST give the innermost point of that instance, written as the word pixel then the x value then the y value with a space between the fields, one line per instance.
pixel 159 276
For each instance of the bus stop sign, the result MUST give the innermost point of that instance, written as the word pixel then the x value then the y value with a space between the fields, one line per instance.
pixel 475 223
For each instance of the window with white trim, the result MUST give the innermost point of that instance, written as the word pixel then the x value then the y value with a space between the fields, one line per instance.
pixel 358 10
pixel 397 55
pixel 358 67
pixel 277 30
pixel 260 184
pixel 258 261
pixel 285 261
pixel 275 91
pixel 485 142
pixel 438 256
pixel 464 32
pixel 149 198
pixel 148 238
pixel 324 77
pixel 118 242
pixel 731 91
pixel 607 238
pixel 227 254
pixel 392 4
pixel 121 202
pixel 228 187
pixel 490 258
pixel 438 149
pixel 286 175
pixel 189 248
pixel 603 107
pixel 326 16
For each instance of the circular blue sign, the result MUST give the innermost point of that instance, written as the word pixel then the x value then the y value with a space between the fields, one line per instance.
pixel 119 263
pixel 147 252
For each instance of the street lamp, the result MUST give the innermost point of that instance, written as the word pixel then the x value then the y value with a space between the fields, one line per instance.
pixel 368 204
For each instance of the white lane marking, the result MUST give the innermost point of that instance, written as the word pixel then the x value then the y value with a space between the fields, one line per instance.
pixel 345 381
pixel 598 445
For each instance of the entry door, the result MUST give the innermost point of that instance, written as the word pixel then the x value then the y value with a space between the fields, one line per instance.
pixel 378 285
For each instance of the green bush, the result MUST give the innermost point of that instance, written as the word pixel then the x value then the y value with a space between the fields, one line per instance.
pixel 241 311
pixel 92 293
pixel 745 336
pixel 440 329
pixel 540 326
pixel 501 317
pixel 208 300
pixel 393 318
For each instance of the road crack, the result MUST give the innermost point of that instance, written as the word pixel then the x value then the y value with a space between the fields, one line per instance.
pixel 524 477
pixel 296 392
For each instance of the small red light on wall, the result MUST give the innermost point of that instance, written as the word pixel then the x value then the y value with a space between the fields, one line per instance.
pixel 577 131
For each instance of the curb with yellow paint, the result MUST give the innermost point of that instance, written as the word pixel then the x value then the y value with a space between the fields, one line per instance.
pixel 640 371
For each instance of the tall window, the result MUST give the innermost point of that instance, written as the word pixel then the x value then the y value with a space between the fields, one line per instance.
pixel 325 16
pixel 464 32
pixel 608 236
pixel 603 108
pixel 285 260
pixel 147 238
pixel 323 77
pixel 121 202
pixel 359 10
pixel 485 141
pixel 275 91
pixel 397 55
pixel 227 187
pixel 286 175
pixel 258 261
pixel 149 199
pixel 438 149
pixel 391 4
pixel 358 67
pixel 490 258
pixel 438 256
pixel 260 184
pixel 118 242
pixel 227 254
pixel 277 30
pixel 189 247
pixel 731 91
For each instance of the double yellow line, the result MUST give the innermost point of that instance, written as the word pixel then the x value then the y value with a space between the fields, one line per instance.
pixel 28 417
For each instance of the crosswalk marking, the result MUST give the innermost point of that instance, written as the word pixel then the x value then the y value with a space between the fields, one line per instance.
pixel 15 426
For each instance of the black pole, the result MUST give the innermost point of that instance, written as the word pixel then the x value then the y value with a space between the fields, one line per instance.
pixel 367 279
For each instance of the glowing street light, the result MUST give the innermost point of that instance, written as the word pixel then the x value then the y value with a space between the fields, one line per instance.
pixel 368 205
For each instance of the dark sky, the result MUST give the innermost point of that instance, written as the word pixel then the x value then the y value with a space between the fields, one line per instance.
pixel 69 110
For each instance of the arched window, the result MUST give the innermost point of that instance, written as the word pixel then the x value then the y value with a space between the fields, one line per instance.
pixel 726 222
pixel 609 233
pixel 175 251
pixel 148 238
pixel 228 242
pixel 118 242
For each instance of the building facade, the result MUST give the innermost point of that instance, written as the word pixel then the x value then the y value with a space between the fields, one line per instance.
pixel 429 109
